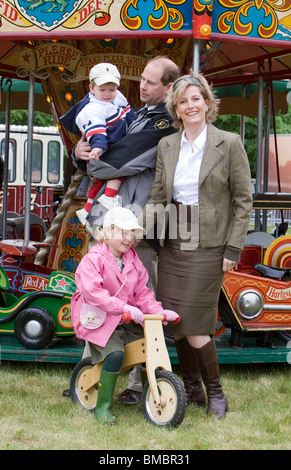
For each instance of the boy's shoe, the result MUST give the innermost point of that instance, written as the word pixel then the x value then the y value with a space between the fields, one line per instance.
pixel 82 214
pixel 129 397
pixel 108 202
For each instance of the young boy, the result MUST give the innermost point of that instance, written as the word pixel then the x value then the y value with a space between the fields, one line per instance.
pixel 102 117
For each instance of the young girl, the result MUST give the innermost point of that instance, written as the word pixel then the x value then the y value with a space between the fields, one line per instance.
pixel 112 278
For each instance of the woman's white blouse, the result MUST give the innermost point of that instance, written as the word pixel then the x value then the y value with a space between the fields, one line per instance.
pixel 186 178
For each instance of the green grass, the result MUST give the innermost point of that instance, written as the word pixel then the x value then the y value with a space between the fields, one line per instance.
pixel 270 229
pixel 35 416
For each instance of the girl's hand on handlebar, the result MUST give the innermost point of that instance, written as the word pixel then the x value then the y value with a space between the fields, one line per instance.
pixel 135 313
pixel 170 315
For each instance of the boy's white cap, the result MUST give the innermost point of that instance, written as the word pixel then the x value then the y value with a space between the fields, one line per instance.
pixel 104 73
pixel 122 218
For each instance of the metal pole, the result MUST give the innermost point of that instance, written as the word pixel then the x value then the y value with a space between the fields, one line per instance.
pixel 266 156
pixel 267 142
pixel 259 148
pixel 243 118
pixel 196 56
pixel 29 157
pixel 6 162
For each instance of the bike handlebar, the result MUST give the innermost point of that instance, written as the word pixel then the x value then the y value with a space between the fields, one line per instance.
pixel 126 318
pixel 45 206
pixel 42 206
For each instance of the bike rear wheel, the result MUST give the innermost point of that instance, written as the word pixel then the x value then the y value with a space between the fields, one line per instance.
pixel 87 399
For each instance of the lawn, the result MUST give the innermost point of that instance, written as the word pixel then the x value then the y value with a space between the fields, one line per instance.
pixel 35 416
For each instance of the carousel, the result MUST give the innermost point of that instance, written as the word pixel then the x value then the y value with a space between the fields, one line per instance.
pixel 243 48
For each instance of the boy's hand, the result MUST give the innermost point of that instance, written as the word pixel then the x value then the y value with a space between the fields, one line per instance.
pixel 96 153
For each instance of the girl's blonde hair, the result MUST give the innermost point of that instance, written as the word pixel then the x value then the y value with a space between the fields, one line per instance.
pixel 99 234
pixel 179 87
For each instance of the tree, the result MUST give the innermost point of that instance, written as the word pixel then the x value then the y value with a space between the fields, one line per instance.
pixel 20 118
pixel 231 123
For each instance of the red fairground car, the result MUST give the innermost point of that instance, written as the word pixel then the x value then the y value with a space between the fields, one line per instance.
pixel 257 298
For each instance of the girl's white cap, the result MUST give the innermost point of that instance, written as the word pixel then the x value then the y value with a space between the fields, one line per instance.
pixel 122 218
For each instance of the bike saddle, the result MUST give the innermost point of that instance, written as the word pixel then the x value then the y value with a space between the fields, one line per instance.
pixel 15 221
pixel 274 273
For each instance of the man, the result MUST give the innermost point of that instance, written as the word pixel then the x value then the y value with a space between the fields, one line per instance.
pixel 134 157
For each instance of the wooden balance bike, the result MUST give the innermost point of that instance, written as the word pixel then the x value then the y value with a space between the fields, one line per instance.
pixel 163 398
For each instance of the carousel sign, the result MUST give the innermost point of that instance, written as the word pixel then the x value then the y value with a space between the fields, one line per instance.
pixel 47 14
pixel 76 65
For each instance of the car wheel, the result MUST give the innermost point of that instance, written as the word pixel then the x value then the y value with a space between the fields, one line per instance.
pixel 34 328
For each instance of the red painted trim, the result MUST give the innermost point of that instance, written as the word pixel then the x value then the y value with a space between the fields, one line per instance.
pixel 186 33
pixel 256 41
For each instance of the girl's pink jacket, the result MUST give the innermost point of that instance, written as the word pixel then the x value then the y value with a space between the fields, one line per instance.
pixel 98 279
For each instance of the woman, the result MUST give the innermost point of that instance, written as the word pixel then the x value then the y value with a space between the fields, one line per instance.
pixel 203 178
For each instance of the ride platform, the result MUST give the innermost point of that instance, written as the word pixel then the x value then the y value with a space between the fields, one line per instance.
pixel 70 350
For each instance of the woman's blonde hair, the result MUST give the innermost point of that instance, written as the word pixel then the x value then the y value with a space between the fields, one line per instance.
pixel 177 90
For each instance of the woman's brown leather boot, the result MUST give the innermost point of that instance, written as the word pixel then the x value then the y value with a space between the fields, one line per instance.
pixel 190 373
pixel 209 370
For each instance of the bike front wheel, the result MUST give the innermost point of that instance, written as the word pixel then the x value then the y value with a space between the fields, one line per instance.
pixel 173 400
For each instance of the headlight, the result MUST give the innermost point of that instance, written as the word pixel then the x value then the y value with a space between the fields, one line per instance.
pixel 250 304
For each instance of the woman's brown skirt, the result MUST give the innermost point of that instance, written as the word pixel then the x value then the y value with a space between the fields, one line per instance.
pixel 189 283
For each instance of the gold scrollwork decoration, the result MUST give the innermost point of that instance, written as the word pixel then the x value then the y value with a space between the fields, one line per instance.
pixel 239 10
pixel 162 21
pixel 224 22
pixel 128 21
pixel 176 19
pixel 239 27
pixel 161 15
pixel 201 7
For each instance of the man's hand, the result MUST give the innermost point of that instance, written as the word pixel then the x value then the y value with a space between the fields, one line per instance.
pixel 82 149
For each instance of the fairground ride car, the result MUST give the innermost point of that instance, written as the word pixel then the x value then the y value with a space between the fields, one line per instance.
pixel 35 301
pixel 256 299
